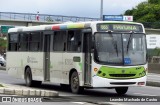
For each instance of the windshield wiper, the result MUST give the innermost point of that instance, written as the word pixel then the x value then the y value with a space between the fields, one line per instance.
pixel 114 43
pixel 129 40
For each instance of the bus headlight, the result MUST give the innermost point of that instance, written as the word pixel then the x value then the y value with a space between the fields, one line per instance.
pixel 95 69
pixel 140 74
pixel 143 73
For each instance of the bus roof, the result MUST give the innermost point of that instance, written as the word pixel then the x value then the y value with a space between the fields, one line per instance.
pixel 62 26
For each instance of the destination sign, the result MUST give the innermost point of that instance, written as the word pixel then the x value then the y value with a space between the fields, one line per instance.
pixel 119 27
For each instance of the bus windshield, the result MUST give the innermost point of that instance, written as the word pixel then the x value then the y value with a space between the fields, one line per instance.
pixel 120 48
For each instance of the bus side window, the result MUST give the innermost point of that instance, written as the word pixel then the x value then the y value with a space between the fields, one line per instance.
pixel 34 41
pixel 74 40
pixel 59 41
pixel 23 43
pixel 13 42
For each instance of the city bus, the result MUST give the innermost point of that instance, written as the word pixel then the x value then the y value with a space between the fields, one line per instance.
pixel 97 54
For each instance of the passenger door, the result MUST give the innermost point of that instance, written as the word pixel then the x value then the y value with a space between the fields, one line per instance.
pixel 47 37
pixel 56 64
pixel 87 57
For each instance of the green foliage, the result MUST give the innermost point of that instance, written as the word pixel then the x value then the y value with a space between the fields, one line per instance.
pixel 154 1
pixel 153 52
pixel 147 13
pixel 3 43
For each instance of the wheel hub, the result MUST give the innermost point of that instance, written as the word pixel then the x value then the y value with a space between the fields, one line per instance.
pixel 75 82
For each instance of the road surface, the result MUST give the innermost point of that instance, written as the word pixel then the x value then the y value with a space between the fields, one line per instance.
pixel 91 96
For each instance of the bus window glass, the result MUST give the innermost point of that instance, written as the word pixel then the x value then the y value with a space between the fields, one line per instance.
pixel 13 42
pixel 108 48
pixel 13 46
pixel 135 48
pixel 74 40
pixel 34 41
pixel 59 41
pixel 23 42
pixel 122 49
pixel 14 38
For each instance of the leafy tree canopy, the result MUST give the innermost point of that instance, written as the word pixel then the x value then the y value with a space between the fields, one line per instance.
pixel 147 13
pixel 154 1
pixel 3 45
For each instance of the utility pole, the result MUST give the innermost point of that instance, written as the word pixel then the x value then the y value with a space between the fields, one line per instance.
pixel 101 10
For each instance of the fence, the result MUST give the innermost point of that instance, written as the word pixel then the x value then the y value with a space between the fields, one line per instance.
pixel 155 59
pixel 42 17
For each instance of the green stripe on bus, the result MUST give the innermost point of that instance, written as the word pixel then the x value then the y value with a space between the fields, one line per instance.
pixel 80 65
pixel 70 26
pixel 113 72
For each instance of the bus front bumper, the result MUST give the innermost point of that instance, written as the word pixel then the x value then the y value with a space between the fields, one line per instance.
pixel 105 82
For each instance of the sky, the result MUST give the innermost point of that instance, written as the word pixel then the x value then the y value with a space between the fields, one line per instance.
pixel 81 8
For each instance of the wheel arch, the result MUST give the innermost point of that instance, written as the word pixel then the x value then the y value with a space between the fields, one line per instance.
pixel 25 69
pixel 70 73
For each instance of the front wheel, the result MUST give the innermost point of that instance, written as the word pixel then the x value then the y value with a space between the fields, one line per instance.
pixel 74 83
pixel 121 90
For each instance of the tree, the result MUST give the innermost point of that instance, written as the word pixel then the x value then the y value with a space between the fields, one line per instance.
pixel 147 13
pixel 153 1
pixel 3 45
pixel 49 19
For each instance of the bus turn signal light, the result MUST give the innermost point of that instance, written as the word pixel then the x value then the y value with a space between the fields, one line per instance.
pixel 95 69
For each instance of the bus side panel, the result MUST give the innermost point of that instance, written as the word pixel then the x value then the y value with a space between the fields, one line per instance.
pixel 56 67
pixel 13 65
pixel 17 61
pixel 73 61
pixel 36 62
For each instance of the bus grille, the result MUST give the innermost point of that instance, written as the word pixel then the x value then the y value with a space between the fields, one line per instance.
pixel 122 83
pixel 122 75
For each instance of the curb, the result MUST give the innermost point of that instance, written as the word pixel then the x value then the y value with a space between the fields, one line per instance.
pixel 2 68
pixel 28 92
pixel 9 89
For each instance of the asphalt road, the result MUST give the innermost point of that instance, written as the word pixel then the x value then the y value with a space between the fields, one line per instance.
pixel 92 96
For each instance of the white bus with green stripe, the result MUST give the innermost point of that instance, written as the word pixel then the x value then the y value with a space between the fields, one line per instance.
pixel 101 54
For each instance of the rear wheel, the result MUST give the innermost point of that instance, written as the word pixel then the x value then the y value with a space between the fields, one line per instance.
pixel 121 90
pixel 74 83
pixel 2 64
pixel 28 79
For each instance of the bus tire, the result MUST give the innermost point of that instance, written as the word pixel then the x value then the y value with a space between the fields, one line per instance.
pixel 74 83
pixel 2 64
pixel 121 90
pixel 28 77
